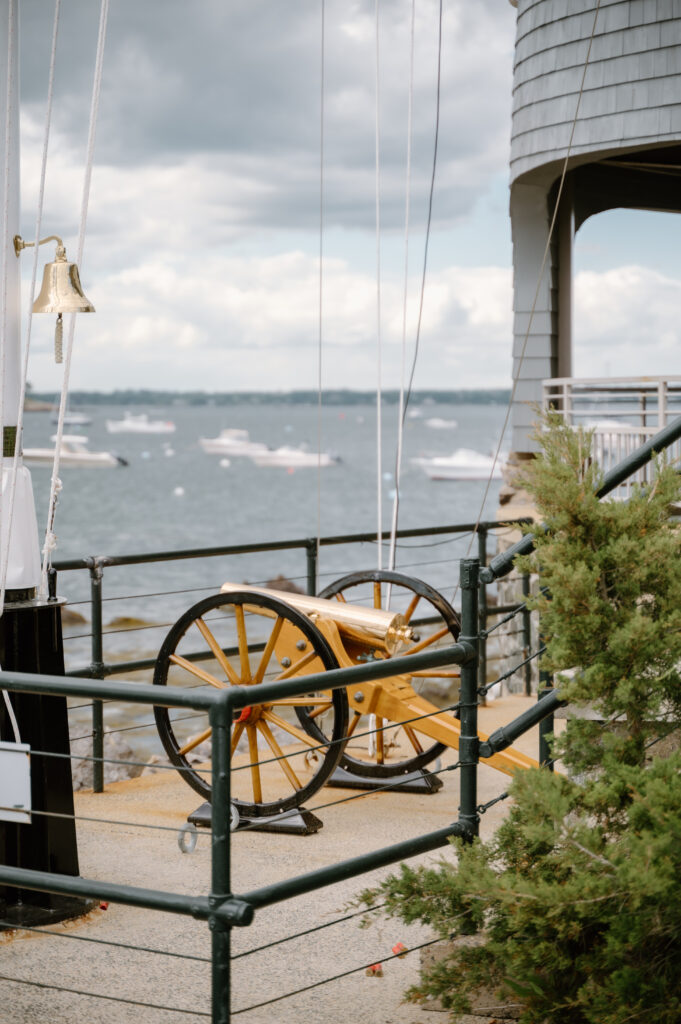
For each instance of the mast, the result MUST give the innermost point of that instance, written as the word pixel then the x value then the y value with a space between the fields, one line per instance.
pixel 22 549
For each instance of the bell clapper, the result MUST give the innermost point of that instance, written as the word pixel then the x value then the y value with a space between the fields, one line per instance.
pixel 58 336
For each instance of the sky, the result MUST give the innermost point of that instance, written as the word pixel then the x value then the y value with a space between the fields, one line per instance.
pixel 210 202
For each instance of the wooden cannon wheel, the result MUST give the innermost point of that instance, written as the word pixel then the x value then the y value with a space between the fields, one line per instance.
pixel 396 750
pixel 233 640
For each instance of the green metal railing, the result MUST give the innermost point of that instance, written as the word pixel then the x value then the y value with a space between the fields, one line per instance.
pixel 95 566
pixel 221 908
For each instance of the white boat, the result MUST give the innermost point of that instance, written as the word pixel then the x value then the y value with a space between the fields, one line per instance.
pixel 463 464
pixel 72 419
pixel 437 423
pixel 139 424
pixel 232 441
pixel 74 452
pixel 295 458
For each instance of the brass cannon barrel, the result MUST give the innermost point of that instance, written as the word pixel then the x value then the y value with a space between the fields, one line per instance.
pixel 354 621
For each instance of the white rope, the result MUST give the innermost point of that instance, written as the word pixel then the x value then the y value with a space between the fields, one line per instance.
pixel 539 280
pixel 379 440
pixel 50 538
pixel 29 319
pixel 320 307
pixel 400 414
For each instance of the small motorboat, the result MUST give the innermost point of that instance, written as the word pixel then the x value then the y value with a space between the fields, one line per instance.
pixel 463 464
pixel 438 423
pixel 74 452
pixel 294 458
pixel 232 441
pixel 72 419
pixel 139 424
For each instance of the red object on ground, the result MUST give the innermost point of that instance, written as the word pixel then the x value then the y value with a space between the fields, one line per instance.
pixel 400 950
pixel 375 971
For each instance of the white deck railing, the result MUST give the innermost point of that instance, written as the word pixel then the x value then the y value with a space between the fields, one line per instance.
pixel 623 413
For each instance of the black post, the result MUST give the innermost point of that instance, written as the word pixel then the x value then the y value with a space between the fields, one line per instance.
pixel 97 672
pixel 221 875
pixel 311 552
pixel 468 740
pixel 31 641
pixel 482 612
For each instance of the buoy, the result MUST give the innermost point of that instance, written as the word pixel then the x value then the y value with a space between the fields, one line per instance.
pixel 375 971
pixel 400 950
pixel 225 463
pixel 179 492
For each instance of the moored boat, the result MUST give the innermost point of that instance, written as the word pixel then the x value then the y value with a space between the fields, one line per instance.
pixel 232 441
pixel 296 458
pixel 139 424
pixel 463 464
pixel 73 452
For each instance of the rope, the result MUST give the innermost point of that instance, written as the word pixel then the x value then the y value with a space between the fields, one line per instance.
pixel 55 484
pixel 335 977
pixel 482 690
pixel 320 301
pixel 400 414
pixel 308 931
pixel 379 369
pixel 13 926
pixel 97 995
pixel 540 275
pixel 429 219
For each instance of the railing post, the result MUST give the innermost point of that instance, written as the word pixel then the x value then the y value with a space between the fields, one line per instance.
pixel 527 635
pixel 468 740
pixel 311 552
pixel 97 672
pixel 482 611
pixel 220 715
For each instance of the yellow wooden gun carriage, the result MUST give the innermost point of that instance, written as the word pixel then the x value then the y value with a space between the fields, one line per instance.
pixel 284 751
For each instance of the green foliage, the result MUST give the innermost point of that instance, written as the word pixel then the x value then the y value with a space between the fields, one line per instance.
pixel 577 893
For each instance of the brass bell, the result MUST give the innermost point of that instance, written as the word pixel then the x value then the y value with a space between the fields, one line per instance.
pixel 61 290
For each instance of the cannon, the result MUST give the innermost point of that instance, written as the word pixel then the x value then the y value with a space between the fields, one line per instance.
pixel 285 751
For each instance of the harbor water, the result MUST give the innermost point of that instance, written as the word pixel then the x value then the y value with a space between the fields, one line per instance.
pixel 171 495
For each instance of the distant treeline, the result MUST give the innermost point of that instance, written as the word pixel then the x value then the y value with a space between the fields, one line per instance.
pixel 492 396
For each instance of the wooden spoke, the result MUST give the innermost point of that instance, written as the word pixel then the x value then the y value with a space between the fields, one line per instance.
pixel 377 595
pixel 291 729
pixel 220 655
pixel 297 666
pixel 320 710
pixel 413 738
pixel 434 673
pixel 254 766
pixel 243 643
pixel 341 597
pixel 412 607
pixel 380 737
pixel 429 640
pixel 267 653
pixel 353 724
pixel 195 742
pixel 282 761
pixel 236 735
pixel 303 702
pixel 200 673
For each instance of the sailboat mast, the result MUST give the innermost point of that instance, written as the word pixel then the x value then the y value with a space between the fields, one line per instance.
pixel 22 551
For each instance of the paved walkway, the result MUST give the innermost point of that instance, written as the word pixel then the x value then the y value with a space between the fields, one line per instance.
pixel 128 853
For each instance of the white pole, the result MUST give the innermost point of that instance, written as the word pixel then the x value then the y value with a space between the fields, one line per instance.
pixel 21 549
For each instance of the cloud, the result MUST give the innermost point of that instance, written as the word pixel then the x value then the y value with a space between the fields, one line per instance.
pixel 626 323
pixel 236 91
